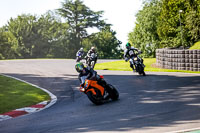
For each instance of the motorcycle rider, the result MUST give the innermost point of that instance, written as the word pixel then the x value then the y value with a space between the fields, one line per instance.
pixel 86 73
pixel 129 53
pixel 79 54
pixel 90 52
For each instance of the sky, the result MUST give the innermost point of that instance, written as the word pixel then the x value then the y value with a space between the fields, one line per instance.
pixel 119 13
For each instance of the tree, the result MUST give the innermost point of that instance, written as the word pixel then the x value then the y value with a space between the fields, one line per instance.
pixel 79 17
pixel 192 20
pixel 49 33
pixel 31 36
pixel 169 28
pixel 8 47
pixel 105 41
pixel 37 36
pixel 21 29
pixel 144 35
pixel 160 24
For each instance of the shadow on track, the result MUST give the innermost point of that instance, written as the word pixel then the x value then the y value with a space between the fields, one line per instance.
pixel 149 102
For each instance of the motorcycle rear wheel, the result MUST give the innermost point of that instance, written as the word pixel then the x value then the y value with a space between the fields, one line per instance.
pixel 113 93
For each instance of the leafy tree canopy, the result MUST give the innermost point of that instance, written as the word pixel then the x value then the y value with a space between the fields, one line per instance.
pixel 166 23
pixel 46 36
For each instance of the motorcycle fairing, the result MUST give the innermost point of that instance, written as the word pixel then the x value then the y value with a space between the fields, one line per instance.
pixel 93 84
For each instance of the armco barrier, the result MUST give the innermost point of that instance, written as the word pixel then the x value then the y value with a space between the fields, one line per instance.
pixel 178 59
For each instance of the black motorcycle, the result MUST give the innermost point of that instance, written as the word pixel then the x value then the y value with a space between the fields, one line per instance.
pixel 138 63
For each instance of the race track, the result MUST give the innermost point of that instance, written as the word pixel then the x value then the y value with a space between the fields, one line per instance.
pixel 157 103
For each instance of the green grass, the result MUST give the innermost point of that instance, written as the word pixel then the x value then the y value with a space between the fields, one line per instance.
pixel 197 131
pixel 16 94
pixel 195 46
pixel 125 66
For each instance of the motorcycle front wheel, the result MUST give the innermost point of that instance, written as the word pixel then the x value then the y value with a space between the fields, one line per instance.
pixel 141 70
pixel 94 98
pixel 143 73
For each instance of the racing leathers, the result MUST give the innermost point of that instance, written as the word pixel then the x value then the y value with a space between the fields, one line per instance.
pixel 130 54
pixel 79 55
pixel 89 55
pixel 87 74
pixel 90 74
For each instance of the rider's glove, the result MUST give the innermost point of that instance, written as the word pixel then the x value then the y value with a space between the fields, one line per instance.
pixel 82 85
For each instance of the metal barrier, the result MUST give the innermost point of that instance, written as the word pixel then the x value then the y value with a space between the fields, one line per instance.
pixel 178 59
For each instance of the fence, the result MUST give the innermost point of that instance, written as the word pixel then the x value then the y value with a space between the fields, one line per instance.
pixel 178 59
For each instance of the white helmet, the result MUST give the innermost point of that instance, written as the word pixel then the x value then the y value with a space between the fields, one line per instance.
pixel 93 48
pixel 81 49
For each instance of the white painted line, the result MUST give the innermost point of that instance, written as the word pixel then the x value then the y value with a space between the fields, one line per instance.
pixel 186 130
pixel 44 102
pixel 4 117
pixel 28 109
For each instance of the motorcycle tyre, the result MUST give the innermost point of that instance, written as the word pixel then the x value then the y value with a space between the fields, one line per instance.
pixel 93 99
pixel 143 73
pixel 141 70
pixel 113 93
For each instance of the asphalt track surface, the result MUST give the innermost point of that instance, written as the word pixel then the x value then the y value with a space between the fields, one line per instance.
pixel 157 103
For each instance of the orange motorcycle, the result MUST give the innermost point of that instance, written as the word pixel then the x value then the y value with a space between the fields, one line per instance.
pixel 99 91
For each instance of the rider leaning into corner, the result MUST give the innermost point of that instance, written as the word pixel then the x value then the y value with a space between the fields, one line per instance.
pixel 80 52
pixel 92 50
pixel 86 73
pixel 129 52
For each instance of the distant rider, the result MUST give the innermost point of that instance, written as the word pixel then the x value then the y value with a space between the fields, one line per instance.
pixel 79 54
pixel 129 53
pixel 90 52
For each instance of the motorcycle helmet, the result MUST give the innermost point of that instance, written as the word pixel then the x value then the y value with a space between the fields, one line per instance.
pixel 93 49
pixel 79 67
pixel 81 49
pixel 128 45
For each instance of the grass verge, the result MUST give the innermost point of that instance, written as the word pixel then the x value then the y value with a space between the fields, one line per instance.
pixel 16 94
pixel 125 66
pixel 195 46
